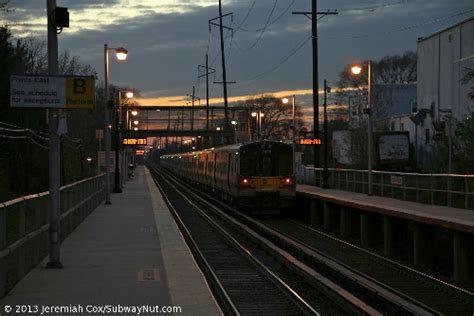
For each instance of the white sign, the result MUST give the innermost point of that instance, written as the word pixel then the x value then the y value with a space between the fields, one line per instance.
pixel 52 92
pixel 394 147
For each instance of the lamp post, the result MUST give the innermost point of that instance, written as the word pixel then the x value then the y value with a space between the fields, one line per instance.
pixel 356 70
pixel 258 116
pixel 234 123
pixel 285 101
pixel 121 54
pixel 118 111
pixel 325 184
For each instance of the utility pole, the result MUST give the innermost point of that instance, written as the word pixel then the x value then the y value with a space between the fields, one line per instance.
pixel 313 15
pixel 193 98
pixel 224 74
pixel 54 148
pixel 208 71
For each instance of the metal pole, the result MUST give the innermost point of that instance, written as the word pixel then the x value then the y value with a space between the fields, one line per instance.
pixel 117 188
pixel 207 92
pixel 294 133
pixel 325 184
pixel 106 125
pixel 224 76
pixel 369 127
pixel 314 31
pixel 54 149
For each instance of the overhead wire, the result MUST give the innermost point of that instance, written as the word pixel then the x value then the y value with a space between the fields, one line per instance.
pixel 262 31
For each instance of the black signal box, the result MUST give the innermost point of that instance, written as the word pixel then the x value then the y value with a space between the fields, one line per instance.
pixel 62 17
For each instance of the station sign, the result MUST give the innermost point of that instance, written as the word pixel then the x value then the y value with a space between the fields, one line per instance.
pixel 140 152
pixel 310 141
pixel 59 92
pixel 134 141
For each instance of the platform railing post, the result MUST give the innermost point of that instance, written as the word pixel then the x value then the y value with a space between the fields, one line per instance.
pixel 21 234
pixel 3 243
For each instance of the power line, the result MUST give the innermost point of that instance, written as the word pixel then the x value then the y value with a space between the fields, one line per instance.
pixel 274 20
pixel 246 16
pixel 281 62
pixel 262 32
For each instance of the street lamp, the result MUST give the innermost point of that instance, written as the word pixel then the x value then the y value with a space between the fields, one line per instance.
pixel 89 161
pixel 121 54
pixel 356 70
pixel 118 120
pixel 258 116
pixel 285 101
pixel 234 123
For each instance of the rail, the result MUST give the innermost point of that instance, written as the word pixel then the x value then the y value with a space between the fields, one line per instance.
pixel 453 190
pixel 24 237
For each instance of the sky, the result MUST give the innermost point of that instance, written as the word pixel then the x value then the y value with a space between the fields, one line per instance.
pixel 268 52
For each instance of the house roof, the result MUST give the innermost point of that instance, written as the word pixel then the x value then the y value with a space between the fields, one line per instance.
pixel 421 39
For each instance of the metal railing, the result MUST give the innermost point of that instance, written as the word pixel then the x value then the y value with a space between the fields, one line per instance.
pixel 453 190
pixel 24 237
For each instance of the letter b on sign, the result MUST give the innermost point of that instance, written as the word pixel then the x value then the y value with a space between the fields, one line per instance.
pixel 79 86
pixel 80 93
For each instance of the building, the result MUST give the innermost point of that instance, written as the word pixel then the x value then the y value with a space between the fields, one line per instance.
pixel 443 59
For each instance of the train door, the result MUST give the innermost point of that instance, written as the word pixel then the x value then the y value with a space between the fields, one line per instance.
pixel 229 168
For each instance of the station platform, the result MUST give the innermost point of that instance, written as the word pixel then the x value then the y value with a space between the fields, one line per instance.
pixel 124 256
pixel 447 217
pixel 398 224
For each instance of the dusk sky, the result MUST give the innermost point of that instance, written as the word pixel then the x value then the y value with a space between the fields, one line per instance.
pixel 269 52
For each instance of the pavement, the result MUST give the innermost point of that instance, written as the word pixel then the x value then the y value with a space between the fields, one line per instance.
pixel 124 257
pixel 448 217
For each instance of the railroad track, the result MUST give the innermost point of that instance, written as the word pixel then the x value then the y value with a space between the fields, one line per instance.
pixel 441 296
pixel 343 286
pixel 242 284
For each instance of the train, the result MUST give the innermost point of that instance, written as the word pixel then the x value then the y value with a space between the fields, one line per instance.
pixel 256 177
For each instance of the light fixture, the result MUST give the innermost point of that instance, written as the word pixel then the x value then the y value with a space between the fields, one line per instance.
pixel 129 94
pixel 135 122
pixel 121 53
pixel 135 128
pixel 89 159
pixel 134 113
pixel 254 114
pixel 233 122
pixel 285 100
pixel 356 69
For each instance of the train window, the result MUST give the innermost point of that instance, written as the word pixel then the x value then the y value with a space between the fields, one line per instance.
pixel 266 161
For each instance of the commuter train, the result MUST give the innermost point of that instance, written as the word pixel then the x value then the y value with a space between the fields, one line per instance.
pixel 257 176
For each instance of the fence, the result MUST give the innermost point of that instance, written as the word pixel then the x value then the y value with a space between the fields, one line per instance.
pixel 454 190
pixel 24 228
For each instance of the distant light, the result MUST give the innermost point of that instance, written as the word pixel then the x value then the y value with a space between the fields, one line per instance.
pixel 89 159
pixel 356 70
pixel 129 94
pixel 261 114
pixel 158 110
pixel 135 122
pixel 110 125
pixel 135 128
pixel 254 114
pixel 285 100
pixel 134 113
pixel 121 53
pixel 193 138
pixel 233 122
pixel 218 128
pixel 194 147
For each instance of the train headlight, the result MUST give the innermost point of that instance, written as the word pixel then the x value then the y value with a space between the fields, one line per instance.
pixel 287 180
pixel 244 181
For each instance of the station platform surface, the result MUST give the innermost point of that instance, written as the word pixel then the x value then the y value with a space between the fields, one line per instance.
pixel 448 217
pixel 127 254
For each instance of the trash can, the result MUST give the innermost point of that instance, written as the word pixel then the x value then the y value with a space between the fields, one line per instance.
pixel 130 170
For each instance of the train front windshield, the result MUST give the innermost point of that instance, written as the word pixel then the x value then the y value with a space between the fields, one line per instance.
pixel 266 160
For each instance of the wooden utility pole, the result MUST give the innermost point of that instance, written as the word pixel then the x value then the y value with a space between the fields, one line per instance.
pixel 313 15
pixel 207 71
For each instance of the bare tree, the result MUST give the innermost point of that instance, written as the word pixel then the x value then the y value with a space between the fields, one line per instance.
pixel 277 116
